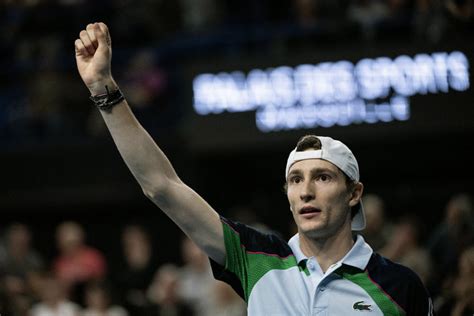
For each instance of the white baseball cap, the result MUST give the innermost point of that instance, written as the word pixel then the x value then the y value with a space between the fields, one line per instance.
pixel 342 157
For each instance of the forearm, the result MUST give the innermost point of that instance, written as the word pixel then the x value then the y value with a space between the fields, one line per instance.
pixel 144 158
pixel 160 183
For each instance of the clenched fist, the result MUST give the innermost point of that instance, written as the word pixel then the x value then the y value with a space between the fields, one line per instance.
pixel 93 57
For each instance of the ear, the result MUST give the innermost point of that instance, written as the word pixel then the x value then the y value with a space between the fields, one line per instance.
pixel 356 194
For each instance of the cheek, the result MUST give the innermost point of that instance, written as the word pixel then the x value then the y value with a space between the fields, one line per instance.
pixel 336 197
pixel 291 196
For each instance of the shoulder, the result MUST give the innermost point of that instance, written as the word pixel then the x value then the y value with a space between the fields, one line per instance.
pixel 255 241
pixel 117 311
pixel 401 284
pixel 387 271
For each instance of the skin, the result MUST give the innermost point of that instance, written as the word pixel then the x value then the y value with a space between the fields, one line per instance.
pixel 325 234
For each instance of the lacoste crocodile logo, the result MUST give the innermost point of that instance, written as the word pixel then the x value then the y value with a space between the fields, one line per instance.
pixel 359 306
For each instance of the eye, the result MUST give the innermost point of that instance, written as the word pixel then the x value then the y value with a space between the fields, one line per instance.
pixel 295 179
pixel 324 177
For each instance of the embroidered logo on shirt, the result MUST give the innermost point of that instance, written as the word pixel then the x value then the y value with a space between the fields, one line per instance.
pixel 360 306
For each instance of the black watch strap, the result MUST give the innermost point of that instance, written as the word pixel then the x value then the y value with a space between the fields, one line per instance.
pixel 106 102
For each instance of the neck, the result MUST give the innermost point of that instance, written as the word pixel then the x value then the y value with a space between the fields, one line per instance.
pixel 327 250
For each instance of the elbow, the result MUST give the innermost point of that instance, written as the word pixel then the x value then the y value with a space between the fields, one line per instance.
pixel 154 193
pixel 159 192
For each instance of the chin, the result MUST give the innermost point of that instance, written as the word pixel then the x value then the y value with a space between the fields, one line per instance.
pixel 311 230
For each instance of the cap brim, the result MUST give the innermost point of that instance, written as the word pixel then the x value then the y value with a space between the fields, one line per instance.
pixel 358 222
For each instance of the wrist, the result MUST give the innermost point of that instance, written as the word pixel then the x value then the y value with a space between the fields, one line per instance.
pixel 106 102
pixel 100 87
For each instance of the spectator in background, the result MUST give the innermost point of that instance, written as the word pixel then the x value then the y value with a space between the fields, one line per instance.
pixel 98 302
pixel 196 281
pixel 326 15
pixel 46 98
pixel 38 37
pixel 136 269
pixel 306 12
pixel 461 9
pixel 18 261
pixel 226 302
pixel 53 300
pixel 164 294
pixel 14 304
pixel 144 81
pixel 367 14
pixel 464 285
pixel 17 257
pixel 457 298
pixel 429 21
pixel 450 239
pixel 377 229
pixel 77 263
pixel 404 247
pixel 199 15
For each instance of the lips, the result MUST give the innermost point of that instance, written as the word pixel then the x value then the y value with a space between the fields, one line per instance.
pixel 309 210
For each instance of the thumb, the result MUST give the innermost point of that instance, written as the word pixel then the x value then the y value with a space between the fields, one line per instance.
pixel 103 37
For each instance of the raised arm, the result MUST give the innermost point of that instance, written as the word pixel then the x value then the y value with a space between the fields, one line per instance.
pixel 144 158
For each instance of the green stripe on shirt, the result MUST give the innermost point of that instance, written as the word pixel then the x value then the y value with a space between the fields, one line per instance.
pixel 362 279
pixel 251 267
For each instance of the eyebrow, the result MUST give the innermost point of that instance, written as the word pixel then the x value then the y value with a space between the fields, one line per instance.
pixel 313 171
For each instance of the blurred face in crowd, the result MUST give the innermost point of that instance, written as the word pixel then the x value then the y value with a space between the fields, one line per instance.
pixel 18 238
pixel 97 298
pixel 458 210
pixel 69 237
pixel 52 291
pixel 164 288
pixel 319 198
pixel 466 264
pixel 464 284
pixel 136 246
pixel 374 213
pixel 193 255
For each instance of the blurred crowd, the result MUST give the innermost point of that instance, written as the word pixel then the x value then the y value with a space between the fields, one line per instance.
pixel 42 98
pixel 81 279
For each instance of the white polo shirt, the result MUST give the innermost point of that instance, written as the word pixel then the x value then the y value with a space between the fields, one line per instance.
pixel 275 278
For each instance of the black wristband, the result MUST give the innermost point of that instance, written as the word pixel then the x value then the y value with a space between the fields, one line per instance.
pixel 106 102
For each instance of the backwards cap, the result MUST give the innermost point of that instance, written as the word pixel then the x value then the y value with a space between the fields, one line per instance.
pixel 342 157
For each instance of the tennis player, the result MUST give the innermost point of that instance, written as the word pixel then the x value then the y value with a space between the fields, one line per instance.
pixel 322 270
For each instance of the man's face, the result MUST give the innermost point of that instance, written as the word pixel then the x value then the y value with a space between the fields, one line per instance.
pixel 319 198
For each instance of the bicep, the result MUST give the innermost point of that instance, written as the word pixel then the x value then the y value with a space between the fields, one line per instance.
pixel 196 218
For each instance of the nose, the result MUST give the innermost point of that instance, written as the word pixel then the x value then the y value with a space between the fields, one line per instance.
pixel 307 191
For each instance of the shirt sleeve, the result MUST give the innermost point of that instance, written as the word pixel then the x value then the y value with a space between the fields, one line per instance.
pixel 419 300
pixel 411 294
pixel 243 244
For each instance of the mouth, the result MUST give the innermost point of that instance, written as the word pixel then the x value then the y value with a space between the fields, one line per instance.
pixel 309 211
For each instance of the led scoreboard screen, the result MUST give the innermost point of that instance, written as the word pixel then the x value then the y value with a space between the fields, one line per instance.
pixel 334 93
